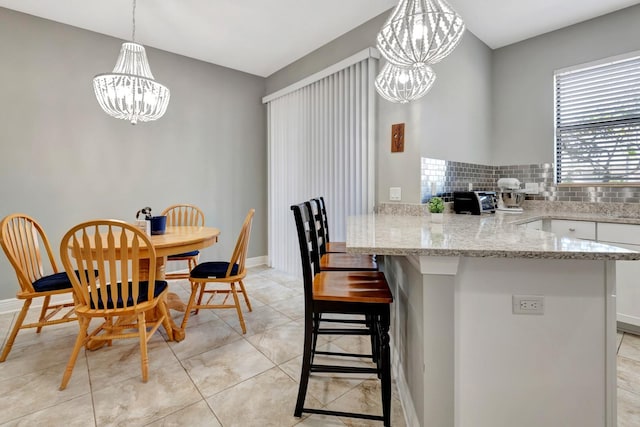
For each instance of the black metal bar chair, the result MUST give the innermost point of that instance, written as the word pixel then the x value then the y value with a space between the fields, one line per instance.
pixel 343 292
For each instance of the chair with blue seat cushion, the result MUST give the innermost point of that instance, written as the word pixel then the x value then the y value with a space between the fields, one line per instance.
pixel 27 248
pixel 183 215
pixel 120 253
pixel 221 277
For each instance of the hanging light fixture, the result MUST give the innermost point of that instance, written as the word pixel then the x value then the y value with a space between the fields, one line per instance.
pixel 401 85
pixel 420 32
pixel 130 91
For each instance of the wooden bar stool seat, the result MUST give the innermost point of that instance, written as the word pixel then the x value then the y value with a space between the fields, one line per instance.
pixel 363 293
pixel 352 286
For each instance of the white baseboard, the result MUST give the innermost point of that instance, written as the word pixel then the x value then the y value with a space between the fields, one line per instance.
pixel 410 415
pixel 12 305
pixel 256 261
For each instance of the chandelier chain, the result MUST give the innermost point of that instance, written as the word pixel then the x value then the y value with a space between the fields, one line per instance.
pixel 133 31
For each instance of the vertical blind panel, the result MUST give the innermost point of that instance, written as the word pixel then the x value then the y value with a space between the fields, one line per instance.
pixel 597 117
pixel 320 144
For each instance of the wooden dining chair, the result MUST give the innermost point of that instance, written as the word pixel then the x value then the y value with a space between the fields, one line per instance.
pixel 124 292
pixel 27 247
pixel 363 293
pixel 336 261
pixel 184 215
pixel 222 276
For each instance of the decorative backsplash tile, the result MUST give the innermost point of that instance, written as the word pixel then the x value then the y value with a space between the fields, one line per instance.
pixel 443 177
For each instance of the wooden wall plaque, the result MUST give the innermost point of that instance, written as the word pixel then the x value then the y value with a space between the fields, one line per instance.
pixel 397 138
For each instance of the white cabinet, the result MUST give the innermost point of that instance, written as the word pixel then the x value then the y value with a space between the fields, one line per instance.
pixel 576 229
pixel 627 272
pixel 534 225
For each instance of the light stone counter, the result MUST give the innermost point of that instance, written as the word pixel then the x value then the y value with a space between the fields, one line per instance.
pixel 490 235
pixel 461 356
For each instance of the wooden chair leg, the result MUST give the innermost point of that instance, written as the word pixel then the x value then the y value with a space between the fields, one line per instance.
pixel 109 323
pixel 190 304
pixel 246 297
pixel 16 328
pixel 164 311
pixel 80 341
pixel 306 367
pixel 144 358
pixel 202 286
pixel 43 312
pixel 238 309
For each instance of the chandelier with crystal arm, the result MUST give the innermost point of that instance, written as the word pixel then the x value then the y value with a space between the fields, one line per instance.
pixel 130 91
pixel 420 32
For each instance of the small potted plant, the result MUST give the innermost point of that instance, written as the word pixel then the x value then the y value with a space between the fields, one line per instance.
pixel 436 207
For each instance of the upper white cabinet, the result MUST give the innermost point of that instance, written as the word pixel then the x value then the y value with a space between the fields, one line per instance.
pixel 575 229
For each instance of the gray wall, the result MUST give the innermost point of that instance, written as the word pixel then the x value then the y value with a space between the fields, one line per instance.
pixel 453 121
pixel 63 160
pixel 523 81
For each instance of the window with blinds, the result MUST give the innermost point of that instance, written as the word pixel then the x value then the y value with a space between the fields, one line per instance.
pixel 597 113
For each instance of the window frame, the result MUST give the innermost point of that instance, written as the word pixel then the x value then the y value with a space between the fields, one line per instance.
pixel 556 151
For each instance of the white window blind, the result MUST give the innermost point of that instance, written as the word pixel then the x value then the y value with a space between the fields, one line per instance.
pixel 321 143
pixel 597 113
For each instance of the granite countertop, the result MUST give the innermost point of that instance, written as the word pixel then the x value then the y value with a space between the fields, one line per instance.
pixel 489 235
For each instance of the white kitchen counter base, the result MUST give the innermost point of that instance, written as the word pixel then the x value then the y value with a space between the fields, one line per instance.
pixel 462 358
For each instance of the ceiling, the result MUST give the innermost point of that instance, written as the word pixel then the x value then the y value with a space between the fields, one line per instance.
pixel 263 36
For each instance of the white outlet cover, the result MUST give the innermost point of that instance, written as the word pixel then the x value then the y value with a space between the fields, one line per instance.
pixel 531 188
pixel 528 304
pixel 395 194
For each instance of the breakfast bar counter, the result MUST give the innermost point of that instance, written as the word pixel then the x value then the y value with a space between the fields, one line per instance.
pixel 496 235
pixel 463 353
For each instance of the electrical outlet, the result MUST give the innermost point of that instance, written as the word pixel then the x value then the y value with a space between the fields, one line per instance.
pixel 531 187
pixel 528 304
pixel 395 194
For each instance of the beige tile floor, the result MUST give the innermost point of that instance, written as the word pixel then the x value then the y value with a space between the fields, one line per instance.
pixel 628 380
pixel 215 377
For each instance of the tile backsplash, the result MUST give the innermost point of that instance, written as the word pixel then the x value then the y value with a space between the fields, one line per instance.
pixel 443 177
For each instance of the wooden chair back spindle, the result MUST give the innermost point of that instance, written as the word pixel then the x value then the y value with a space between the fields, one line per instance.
pixel 239 255
pixel 23 241
pixel 114 249
pixel 184 215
